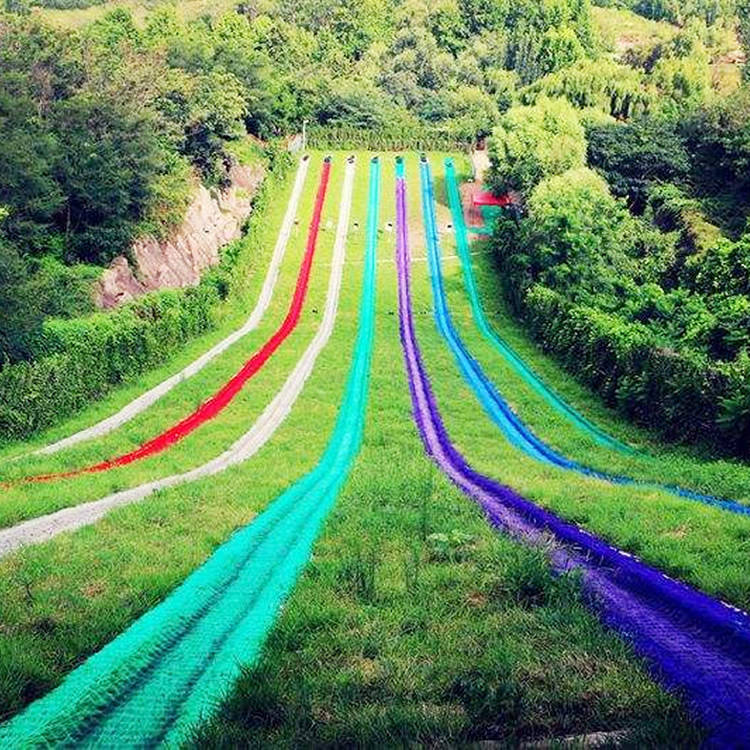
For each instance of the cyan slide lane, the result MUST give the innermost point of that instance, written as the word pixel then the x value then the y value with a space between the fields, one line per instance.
pixel 694 643
pixel 505 350
pixel 171 669
pixel 499 411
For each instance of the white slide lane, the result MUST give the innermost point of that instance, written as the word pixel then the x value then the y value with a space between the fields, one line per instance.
pixel 40 529
pixel 142 403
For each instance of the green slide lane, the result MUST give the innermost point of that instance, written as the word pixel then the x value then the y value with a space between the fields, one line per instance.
pixel 172 667
pixel 510 356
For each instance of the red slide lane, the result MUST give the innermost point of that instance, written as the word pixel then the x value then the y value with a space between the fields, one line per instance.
pixel 209 409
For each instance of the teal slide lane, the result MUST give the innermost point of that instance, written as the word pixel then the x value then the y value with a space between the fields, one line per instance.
pixel 511 425
pixel 505 350
pixel 171 669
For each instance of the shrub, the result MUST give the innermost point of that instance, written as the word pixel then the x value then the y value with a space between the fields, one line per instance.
pixel 415 138
pixel 576 233
pixel 532 143
pixel 86 357
pixel 633 156
pixel 80 360
pixel 683 395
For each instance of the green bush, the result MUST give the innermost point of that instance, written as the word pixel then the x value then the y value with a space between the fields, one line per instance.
pixel 532 143
pixel 87 356
pixel 416 138
pixel 681 394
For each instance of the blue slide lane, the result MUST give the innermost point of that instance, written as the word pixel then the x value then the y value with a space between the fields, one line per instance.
pixel 496 407
pixel 502 347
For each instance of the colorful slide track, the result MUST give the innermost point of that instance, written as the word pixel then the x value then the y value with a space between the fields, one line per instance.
pixel 505 350
pixel 45 527
pixel 514 429
pixel 695 643
pixel 150 397
pixel 223 397
pixel 173 666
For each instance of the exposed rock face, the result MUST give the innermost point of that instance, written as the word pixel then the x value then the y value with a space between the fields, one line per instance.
pixel 212 220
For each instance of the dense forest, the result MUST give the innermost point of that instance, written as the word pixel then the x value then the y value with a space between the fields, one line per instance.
pixel 632 163
pixel 632 259
pixel 104 130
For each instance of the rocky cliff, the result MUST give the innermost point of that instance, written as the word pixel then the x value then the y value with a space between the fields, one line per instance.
pixel 213 219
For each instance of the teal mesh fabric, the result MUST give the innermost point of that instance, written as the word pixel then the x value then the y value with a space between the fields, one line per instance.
pixel 173 666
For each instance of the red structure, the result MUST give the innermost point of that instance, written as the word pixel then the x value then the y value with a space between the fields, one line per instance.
pixel 474 198
pixel 485 198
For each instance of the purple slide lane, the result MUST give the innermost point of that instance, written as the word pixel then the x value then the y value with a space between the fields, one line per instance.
pixel 693 642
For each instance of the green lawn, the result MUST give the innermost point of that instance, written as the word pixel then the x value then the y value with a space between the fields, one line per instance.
pixel 28 500
pixel 415 619
pixel 63 600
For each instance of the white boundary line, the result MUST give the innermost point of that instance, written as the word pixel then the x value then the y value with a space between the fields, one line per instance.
pixel 141 403
pixel 40 529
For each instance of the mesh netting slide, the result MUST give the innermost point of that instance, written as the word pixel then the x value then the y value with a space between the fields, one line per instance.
pixel 695 643
pixel 512 427
pixel 40 529
pixel 223 397
pixel 151 396
pixel 507 352
pixel 172 667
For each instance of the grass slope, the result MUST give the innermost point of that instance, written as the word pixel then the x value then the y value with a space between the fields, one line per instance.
pixel 415 619
pixel 61 601
pixel 29 500
pixel 416 622
pixel 703 545
pixel 621 29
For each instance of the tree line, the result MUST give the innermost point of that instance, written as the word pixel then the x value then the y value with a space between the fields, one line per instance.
pixel 631 260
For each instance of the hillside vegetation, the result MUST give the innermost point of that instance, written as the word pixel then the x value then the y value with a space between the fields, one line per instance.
pixel 120 117
pixel 631 260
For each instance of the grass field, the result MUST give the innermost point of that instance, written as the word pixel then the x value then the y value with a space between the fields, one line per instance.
pixel 416 622
pixel 621 29
pixel 65 599
pixel 414 619
pixel 703 545
pixel 77 18
pixel 27 500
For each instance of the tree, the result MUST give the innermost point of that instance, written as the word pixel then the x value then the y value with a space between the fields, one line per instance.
pixel 20 312
pixel 359 104
pixel 532 143
pixel 725 268
pixel 480 15
pixel 577 234
pixel 605 85
pixel 559 48
pixel 633 156
pixel 21 7
pixel 685 81
pixel 743 29
pixel 467 111
pixel 110 156
pixel 28 189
